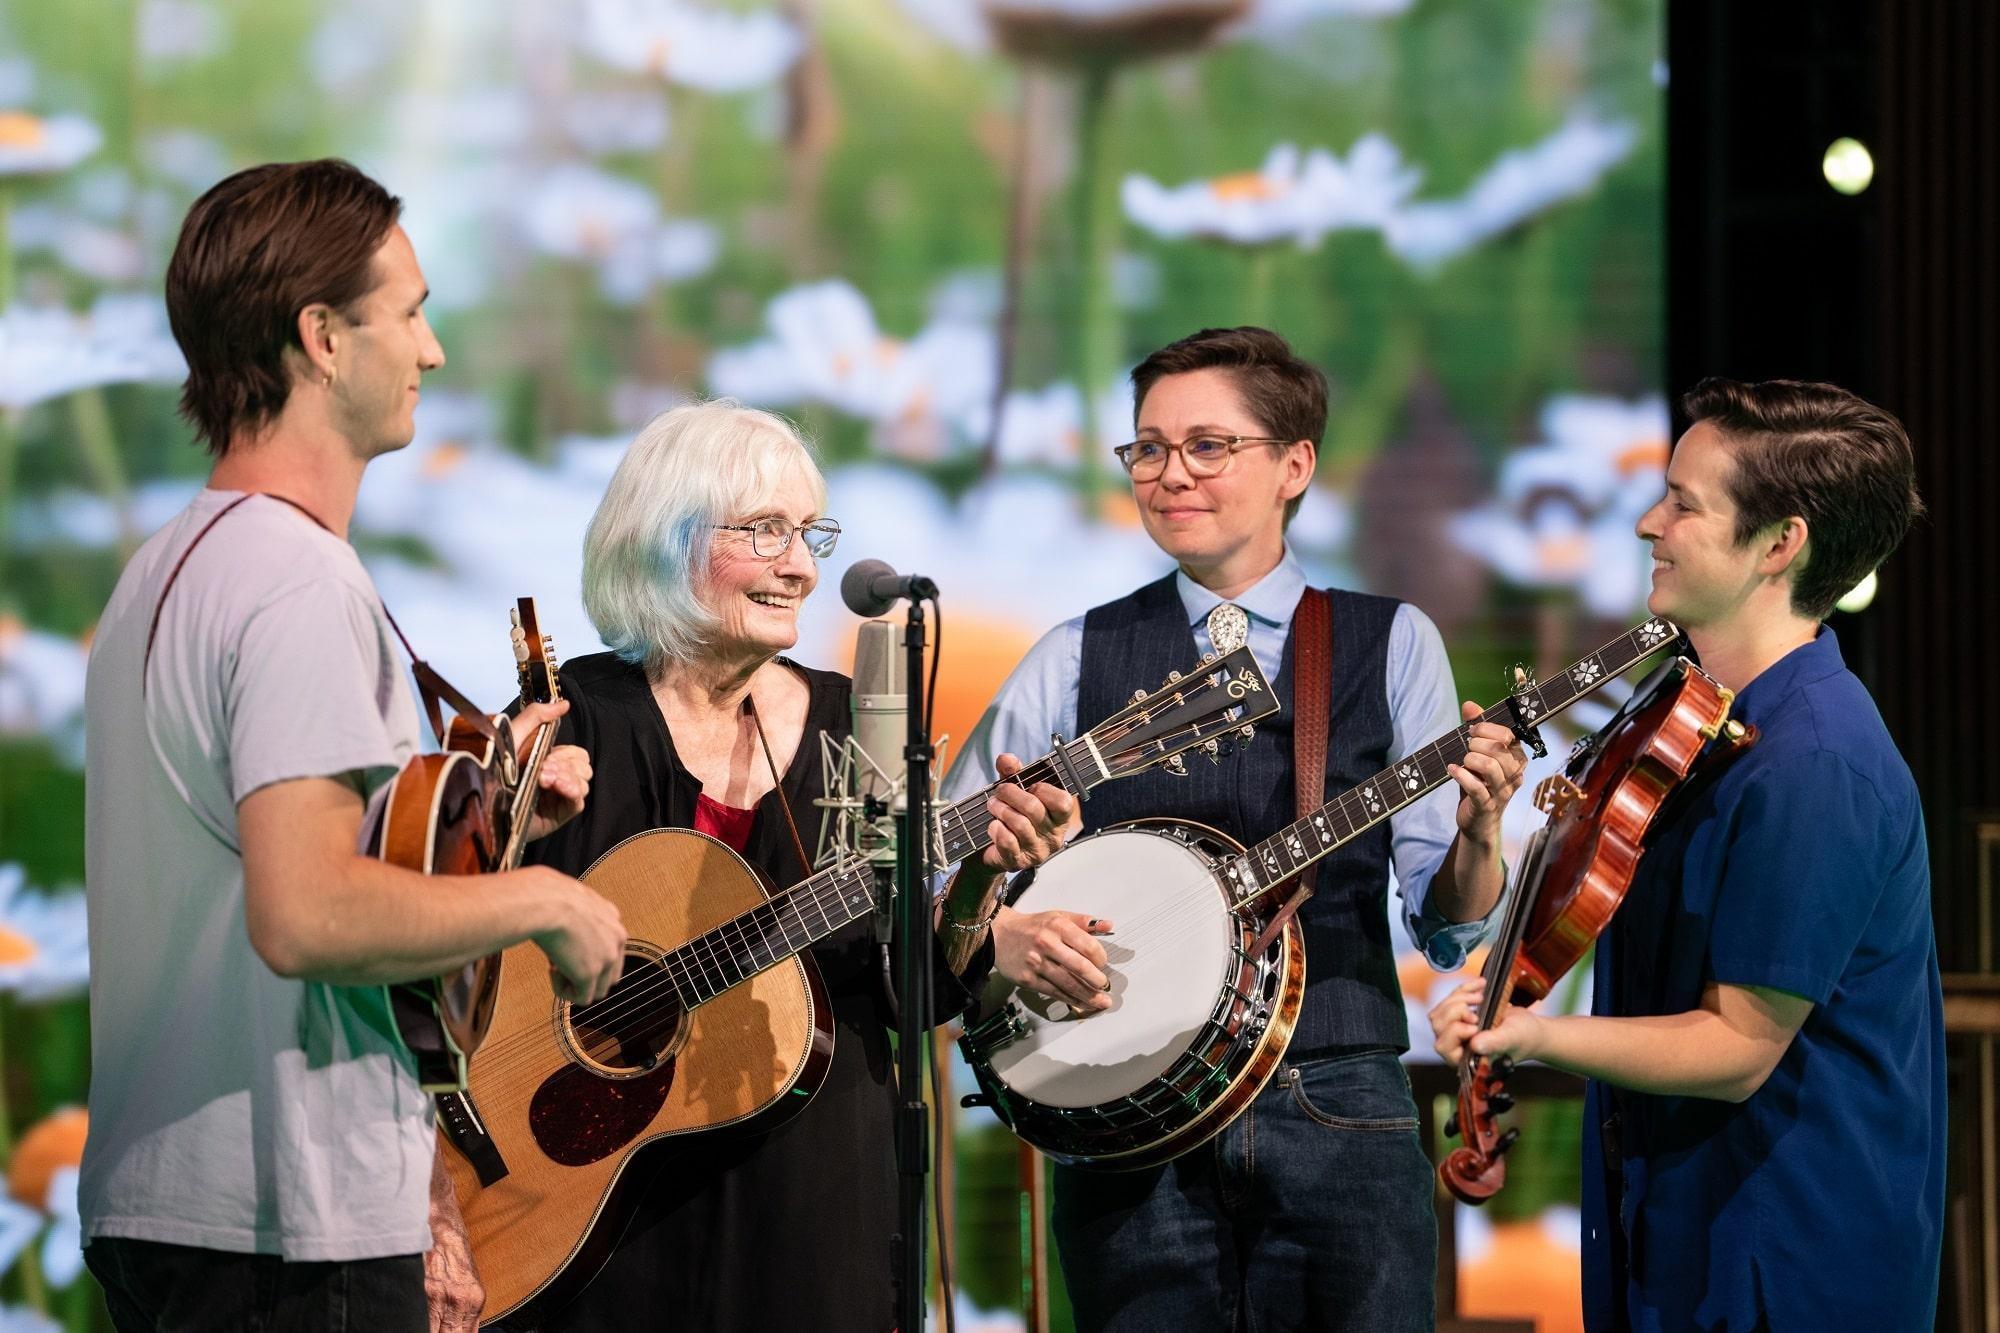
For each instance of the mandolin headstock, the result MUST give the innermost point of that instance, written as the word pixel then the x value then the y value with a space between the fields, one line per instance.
pixel 534 656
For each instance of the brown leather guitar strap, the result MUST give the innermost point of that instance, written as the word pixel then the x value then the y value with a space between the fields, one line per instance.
pixel 431 687
pixel 1312 697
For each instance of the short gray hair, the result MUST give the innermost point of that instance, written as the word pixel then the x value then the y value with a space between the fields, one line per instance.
pixel 647 547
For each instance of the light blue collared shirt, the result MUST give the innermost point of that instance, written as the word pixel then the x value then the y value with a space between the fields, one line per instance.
pixel 1039 699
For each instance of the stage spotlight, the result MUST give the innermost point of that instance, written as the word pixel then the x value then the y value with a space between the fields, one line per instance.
pixel 1859 596
pixel 1848 165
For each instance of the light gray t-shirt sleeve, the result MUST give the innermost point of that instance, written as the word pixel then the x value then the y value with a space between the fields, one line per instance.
pixel 305 690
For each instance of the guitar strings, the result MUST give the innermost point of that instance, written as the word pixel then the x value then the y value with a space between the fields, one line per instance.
pixel 688 967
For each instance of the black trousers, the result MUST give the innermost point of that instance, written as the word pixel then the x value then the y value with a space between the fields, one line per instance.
pixel 156 1288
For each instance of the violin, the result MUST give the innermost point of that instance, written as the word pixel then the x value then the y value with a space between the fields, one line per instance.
pixel 1618 788
pixel 465 811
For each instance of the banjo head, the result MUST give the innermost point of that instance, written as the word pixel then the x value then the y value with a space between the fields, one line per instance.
pixel 1175 945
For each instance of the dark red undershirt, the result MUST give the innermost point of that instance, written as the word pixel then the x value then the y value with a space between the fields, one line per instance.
pixel 724 823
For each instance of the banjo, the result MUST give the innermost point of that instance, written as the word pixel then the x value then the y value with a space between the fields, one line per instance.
pixel 1207 971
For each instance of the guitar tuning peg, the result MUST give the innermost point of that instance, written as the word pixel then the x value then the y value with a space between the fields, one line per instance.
pixel 1173 677
pixel 1208 658
pixel 1248 732
pixel 1213 749
pixel 1138 696
pixel 1176 765
pixel 514 616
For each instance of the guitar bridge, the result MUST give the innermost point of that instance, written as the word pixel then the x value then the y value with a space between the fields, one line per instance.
pixel 467 1132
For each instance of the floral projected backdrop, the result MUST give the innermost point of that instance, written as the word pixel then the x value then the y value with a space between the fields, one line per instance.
pixel 937 234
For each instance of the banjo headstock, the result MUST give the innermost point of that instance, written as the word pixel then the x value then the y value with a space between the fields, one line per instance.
pixel 1203 710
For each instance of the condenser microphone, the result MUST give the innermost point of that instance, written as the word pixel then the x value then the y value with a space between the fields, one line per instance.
pixel 881 712
pixel 871 587
pixel 865 771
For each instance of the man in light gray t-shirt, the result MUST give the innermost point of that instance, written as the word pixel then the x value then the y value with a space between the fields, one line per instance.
pixel 251 1111
pixel 260 1153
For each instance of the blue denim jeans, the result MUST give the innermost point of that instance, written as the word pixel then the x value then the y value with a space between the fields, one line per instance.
pixel 155 1288
pixel 1311 1211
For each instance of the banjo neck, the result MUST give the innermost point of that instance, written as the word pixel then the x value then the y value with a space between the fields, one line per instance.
pixel 1278 859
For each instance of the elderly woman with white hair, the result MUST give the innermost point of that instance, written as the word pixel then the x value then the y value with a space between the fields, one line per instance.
pixel 696 564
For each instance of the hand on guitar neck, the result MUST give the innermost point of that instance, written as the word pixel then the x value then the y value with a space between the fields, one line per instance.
pixel 1028 826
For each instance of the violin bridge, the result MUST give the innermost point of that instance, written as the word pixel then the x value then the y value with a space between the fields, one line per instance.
pixel 1556 794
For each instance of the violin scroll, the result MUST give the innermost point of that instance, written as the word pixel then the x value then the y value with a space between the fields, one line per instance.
pixel 1475 1172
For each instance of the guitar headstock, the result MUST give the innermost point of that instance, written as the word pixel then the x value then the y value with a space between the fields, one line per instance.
pixel 1202 710
pixel 534 656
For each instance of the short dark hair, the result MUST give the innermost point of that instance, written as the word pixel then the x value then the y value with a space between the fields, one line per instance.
pixel 255 250
pixel 1826 455
pixel 1286 394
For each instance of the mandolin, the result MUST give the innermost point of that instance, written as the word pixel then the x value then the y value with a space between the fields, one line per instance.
pixel 1618 788
pixel 464 810
pixel 719 1025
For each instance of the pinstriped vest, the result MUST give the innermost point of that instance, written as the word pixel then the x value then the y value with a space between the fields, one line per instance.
pixel 1352 997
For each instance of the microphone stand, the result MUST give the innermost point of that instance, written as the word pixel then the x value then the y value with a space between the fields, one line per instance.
pixel 913 942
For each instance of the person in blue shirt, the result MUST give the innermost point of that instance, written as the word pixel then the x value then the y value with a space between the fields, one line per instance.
pixel 1766 1119
pixel 1313 1209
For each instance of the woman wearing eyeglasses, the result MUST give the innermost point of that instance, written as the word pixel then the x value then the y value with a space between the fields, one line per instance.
pixel 701 553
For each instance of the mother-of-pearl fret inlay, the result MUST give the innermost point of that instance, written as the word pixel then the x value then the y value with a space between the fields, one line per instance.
pixel 1365 806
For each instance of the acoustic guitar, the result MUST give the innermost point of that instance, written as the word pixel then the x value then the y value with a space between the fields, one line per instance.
pixel 719 1025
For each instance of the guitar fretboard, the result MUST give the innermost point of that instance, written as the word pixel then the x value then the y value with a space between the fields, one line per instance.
pixel 1352 813
pixel 1133 738
pixel 773 931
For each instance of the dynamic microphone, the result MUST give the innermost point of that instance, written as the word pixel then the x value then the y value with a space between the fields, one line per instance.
pixel 871 587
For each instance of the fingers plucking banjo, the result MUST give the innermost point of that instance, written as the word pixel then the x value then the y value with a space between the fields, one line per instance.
pixel 1203 1003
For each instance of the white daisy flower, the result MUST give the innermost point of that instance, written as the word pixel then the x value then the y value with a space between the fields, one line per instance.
pixel 179 30
pixel 1519 184
pixel 62 1245
pixel 33 146
pixel 716 51
pixel 1293 196
pixel 47 351
pixel 44 940
pixel 824 347
pixel 1563 513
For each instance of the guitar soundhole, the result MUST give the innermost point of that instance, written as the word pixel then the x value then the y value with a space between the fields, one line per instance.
pixel 636 1028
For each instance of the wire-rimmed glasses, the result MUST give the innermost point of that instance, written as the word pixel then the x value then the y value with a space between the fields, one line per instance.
pixel 769 537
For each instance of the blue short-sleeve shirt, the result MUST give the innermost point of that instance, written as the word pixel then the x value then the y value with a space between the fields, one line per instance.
pixel 1818 1202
